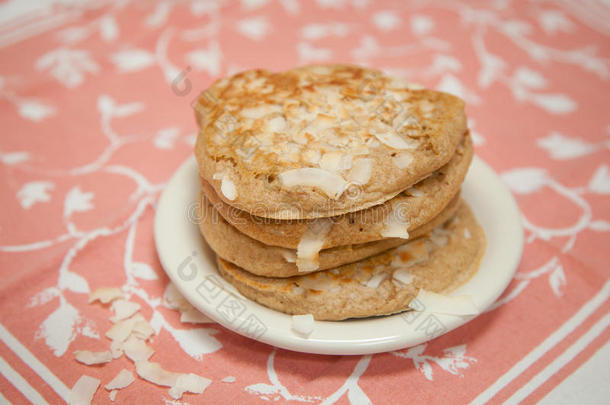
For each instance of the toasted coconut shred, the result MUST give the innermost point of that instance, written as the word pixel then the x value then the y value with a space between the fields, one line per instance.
pixel 335 161
pixel 403 276
pixel 361 172
pixel 289 255
pixel 123 309
pixel 189 383
pixel 311 243
pixel 395 226
pixel 123 379
pixel 376 280
pixel 154 373
pixel 332 184
pixel 83 391
pixel 179 383
pixel 228 189
pixel 116 348
pixel 105 295
pixel 141 328
pixel 415 192
pixel 194 316
pixel 388 137
pixel 137 350
pixel 318 282
pixel 173 299
pixel 402 160
pixel 128 336
pixel 440 236
pixel 303 324
pixel 120 331
pixel 90 358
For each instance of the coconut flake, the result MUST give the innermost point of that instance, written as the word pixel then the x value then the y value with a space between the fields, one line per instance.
pixel 194 316
pixel 228 379
pixel 376 280
pixel 228 189
pixel 320 123
pixel 123 379
pixel 189 383
pixel 311 243
pixel 372 143
pixel 303 324
pixel 318 282
pixel 136 350
pixel 386 135
pixel 116 348
pixel 444 304
pixel 174 300
pixel 439 236
pixel 105 295
pixel 137 325
pixel 332 184
pixel 395 226
pixel 335 162
pixel 403 276
pixel 410 254
pixel 415 192
pixel 312 156
pixel 259 111
pixel 255 84
pixel 276 124
pixel 123 310
pixel 141 328
pixel 154 373
pixel 467 234
pixel 402 160
pixel 289 255
pixel 361 172
pixel 121 330
pixel 87 357
pixel 83 391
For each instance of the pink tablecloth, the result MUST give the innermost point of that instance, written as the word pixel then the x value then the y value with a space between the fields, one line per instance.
pixel 95 103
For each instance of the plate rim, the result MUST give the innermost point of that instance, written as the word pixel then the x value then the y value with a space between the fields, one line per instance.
pixel 318 342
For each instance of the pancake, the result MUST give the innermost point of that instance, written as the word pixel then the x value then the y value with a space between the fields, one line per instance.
pixel 417 205
pixel 383 284
pixel 274 261
pixel 313 142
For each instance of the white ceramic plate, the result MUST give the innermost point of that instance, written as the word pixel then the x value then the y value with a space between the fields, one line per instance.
pixel 191 265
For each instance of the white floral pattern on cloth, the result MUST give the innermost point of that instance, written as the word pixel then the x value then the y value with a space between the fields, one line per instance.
pixel 96 99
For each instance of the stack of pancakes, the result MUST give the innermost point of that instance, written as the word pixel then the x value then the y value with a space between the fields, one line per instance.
pixel 335 190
